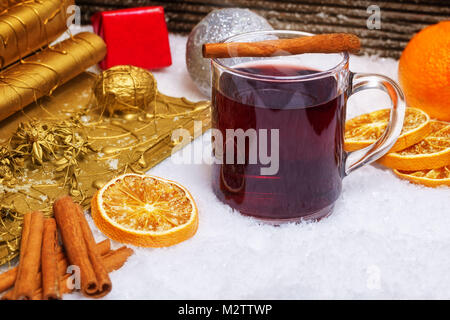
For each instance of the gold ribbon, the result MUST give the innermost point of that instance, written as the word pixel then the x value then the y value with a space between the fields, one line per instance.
pixel 38 75
pixel 5 4
pixel 30 25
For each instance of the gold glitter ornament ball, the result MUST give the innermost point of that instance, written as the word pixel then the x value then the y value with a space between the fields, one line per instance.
pixel 126 89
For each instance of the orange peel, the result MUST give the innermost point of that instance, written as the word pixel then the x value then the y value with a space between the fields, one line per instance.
pixel 145 210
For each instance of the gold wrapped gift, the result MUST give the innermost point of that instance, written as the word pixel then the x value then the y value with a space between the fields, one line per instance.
pixel 30 25
pixel 5 4
pixel 40 74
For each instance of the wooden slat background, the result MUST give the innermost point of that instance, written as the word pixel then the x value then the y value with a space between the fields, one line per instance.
pixel 400 19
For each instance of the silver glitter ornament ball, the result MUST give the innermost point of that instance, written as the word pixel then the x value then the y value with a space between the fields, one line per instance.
pixel 215 27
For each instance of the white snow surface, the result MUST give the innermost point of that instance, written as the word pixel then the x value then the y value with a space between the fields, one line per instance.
pixel 387 238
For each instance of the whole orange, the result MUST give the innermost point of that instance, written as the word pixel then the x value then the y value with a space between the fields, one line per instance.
pixel 424 71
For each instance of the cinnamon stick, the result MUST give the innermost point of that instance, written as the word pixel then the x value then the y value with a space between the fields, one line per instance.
pixel 322 43
pixel 9 295
pixel 79 248
pixel 12 275
pixel 117 258
pixel 30 256
pixel 50 274
pixel 103 248
pixel 8 278
pixel 112 261
pixel 104 282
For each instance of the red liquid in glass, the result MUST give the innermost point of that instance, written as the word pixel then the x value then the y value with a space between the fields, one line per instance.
pixel 310 116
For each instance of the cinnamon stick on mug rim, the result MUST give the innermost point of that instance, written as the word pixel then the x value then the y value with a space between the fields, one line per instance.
pixel 322 43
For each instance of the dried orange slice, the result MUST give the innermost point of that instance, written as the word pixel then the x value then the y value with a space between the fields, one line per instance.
pixel 429 178
pixel 365 129
pixel 430 153
pixel 145 211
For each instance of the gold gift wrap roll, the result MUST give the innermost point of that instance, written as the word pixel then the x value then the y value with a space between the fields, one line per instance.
pixel 5 4
pixel 30 25
pixel 41 73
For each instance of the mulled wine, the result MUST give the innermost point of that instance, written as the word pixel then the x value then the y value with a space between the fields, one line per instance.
pixel 307 115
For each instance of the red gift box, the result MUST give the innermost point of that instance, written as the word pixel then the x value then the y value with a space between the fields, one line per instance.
pixel 136 36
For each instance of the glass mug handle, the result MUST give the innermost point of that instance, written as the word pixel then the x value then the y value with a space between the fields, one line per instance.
pixel 364 81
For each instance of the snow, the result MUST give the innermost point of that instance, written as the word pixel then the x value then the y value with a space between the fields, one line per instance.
pixel 387 238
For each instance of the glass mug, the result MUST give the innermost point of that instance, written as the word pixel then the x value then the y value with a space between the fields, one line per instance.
pixel 278 130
